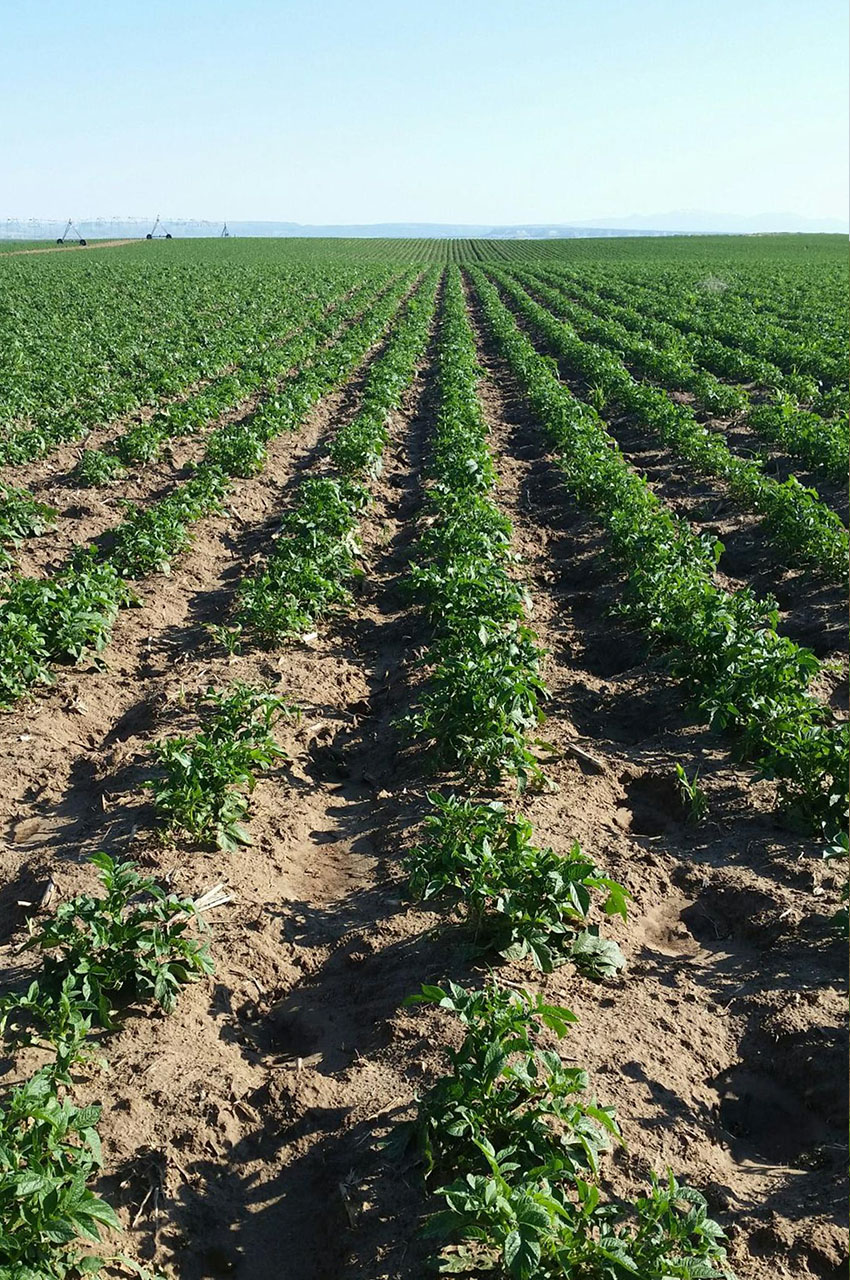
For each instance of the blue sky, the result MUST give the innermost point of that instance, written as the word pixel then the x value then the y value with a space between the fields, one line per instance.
pixel 446 111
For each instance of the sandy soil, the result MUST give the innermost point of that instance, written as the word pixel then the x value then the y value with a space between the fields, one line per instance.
pixel 252 1114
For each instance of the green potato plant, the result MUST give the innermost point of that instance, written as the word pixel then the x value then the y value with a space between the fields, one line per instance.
pixel 49 1150
pixel 100 953
pixel 520 900
pixel 203 780
pixel 95 468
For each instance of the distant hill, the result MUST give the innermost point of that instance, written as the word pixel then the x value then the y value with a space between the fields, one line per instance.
pixel 94 228
pixel 699 222
pixel 685 223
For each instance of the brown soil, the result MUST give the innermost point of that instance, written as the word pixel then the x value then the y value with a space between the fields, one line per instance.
pixel 84 515
pixel 70 248
pixel 252 1113
pixel 743 440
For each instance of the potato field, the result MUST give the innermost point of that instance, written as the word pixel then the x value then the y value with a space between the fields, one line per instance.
pixel 423 672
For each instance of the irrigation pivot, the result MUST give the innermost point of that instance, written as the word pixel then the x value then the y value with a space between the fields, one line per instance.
pixel 69 226
pixel 158 231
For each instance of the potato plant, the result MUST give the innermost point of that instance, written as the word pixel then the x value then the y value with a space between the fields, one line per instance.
pixel 521 901
pixel 790 410
pixel 314 562
pixel 485 692
pixel 101 953
pixel 745 677
pixel 145 334
pixel 505 1094
pixel 96 467
pixel 66 618
pixel 512 1128
pixel 49 1151
pixel 21 516
pixel 43 621
pixel 205 781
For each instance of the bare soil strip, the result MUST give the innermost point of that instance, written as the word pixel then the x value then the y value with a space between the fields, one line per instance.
pixel 71 248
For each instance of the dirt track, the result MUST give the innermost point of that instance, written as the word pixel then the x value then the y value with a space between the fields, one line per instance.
pixel 67 248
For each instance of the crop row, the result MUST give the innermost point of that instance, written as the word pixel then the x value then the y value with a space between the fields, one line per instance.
pixel 21 516
pixel 98 955
pixel 256 375
pixel 794 516
pixel 722 313
pixel 509 1141
pixel 745 677
pixel 625 302
pixel 314 559
pixel 661 352
pixel 60 619
pixel 629 304
pixel 512 1147
pixel 82 344
pixel 120 948
pixel 485 690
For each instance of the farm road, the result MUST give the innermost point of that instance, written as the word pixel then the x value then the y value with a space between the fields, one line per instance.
pixel 69 248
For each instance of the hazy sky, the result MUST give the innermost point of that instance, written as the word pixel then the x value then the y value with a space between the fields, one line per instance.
pixel 445 111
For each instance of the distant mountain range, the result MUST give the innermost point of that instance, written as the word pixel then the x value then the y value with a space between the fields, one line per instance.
pixel 699 222
pixel 687 222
